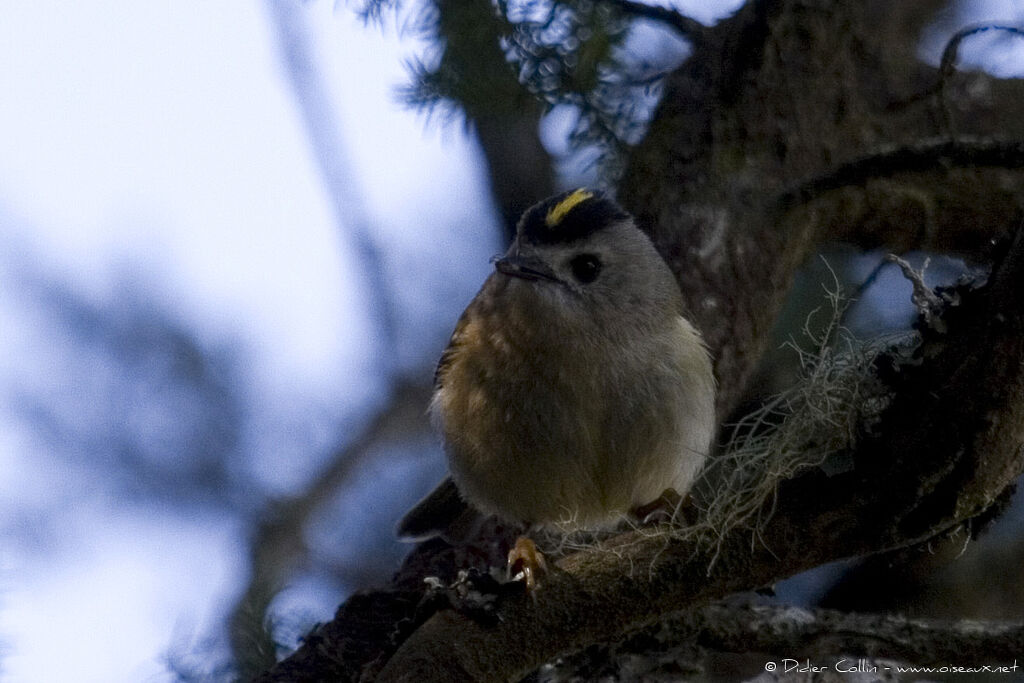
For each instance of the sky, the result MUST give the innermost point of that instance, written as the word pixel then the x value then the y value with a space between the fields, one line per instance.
pixel 163 140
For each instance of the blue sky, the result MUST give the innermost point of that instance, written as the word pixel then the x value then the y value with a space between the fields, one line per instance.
pixel 163 139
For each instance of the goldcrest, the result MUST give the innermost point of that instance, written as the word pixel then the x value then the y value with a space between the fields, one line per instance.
pixel 573 389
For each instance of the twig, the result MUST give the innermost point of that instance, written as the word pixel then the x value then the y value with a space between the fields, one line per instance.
pixel 929 305
pixel 947 65
pixel 687 26
pixel 861 289
pixel 278 543
pixel 924 156
pixel 313 94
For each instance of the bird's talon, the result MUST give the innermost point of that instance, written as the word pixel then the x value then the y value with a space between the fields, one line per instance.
pixel 669 507
pixel 526 563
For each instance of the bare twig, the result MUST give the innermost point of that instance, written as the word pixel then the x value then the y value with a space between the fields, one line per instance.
pixel 313 94
pixel 921 157
pixel 947 65
pixel 688 27
pixel 277 545
pixel 861 289
pixel 929 305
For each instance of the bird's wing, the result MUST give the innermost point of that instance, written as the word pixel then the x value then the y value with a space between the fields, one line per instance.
pixel 454 342
pixel 442 512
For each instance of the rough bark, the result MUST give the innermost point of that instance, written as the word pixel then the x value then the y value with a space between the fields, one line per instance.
pixel 787 93
pixel 830 639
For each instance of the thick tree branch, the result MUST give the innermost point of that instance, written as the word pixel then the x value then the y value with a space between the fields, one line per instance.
pixel 921 157
pixel 821 633
pixel 823 636
pixel 916 197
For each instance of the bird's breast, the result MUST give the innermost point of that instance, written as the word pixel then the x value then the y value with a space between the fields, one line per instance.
pixel 542 425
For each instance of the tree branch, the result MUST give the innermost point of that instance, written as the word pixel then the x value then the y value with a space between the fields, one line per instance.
pixel 947 65
pixel 920 157
pixel 824 636
pixel 505 117
pixel 313 95
pixel 278 543
pixel 915 197
pixel 686 26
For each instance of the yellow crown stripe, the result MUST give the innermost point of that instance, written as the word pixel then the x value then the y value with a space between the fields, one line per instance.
pixel 557 212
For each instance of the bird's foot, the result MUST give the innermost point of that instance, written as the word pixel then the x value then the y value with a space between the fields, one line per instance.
pixel 669 507
pixel 526 563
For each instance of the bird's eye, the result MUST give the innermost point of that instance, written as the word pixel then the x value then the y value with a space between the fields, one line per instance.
pixel 585 267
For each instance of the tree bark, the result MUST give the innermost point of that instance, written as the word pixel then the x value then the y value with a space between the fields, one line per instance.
pixel 822 637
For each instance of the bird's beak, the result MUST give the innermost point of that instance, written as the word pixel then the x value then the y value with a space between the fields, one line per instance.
pixel 524 267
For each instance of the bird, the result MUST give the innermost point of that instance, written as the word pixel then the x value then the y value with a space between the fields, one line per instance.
pixel 574 389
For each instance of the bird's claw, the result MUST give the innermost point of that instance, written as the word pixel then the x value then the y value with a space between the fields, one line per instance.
pixel 669 507
pixel 526 563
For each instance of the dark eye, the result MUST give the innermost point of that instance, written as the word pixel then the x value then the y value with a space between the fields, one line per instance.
pixel 585 267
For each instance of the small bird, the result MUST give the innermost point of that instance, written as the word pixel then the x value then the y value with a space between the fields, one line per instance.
pixel 573 390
